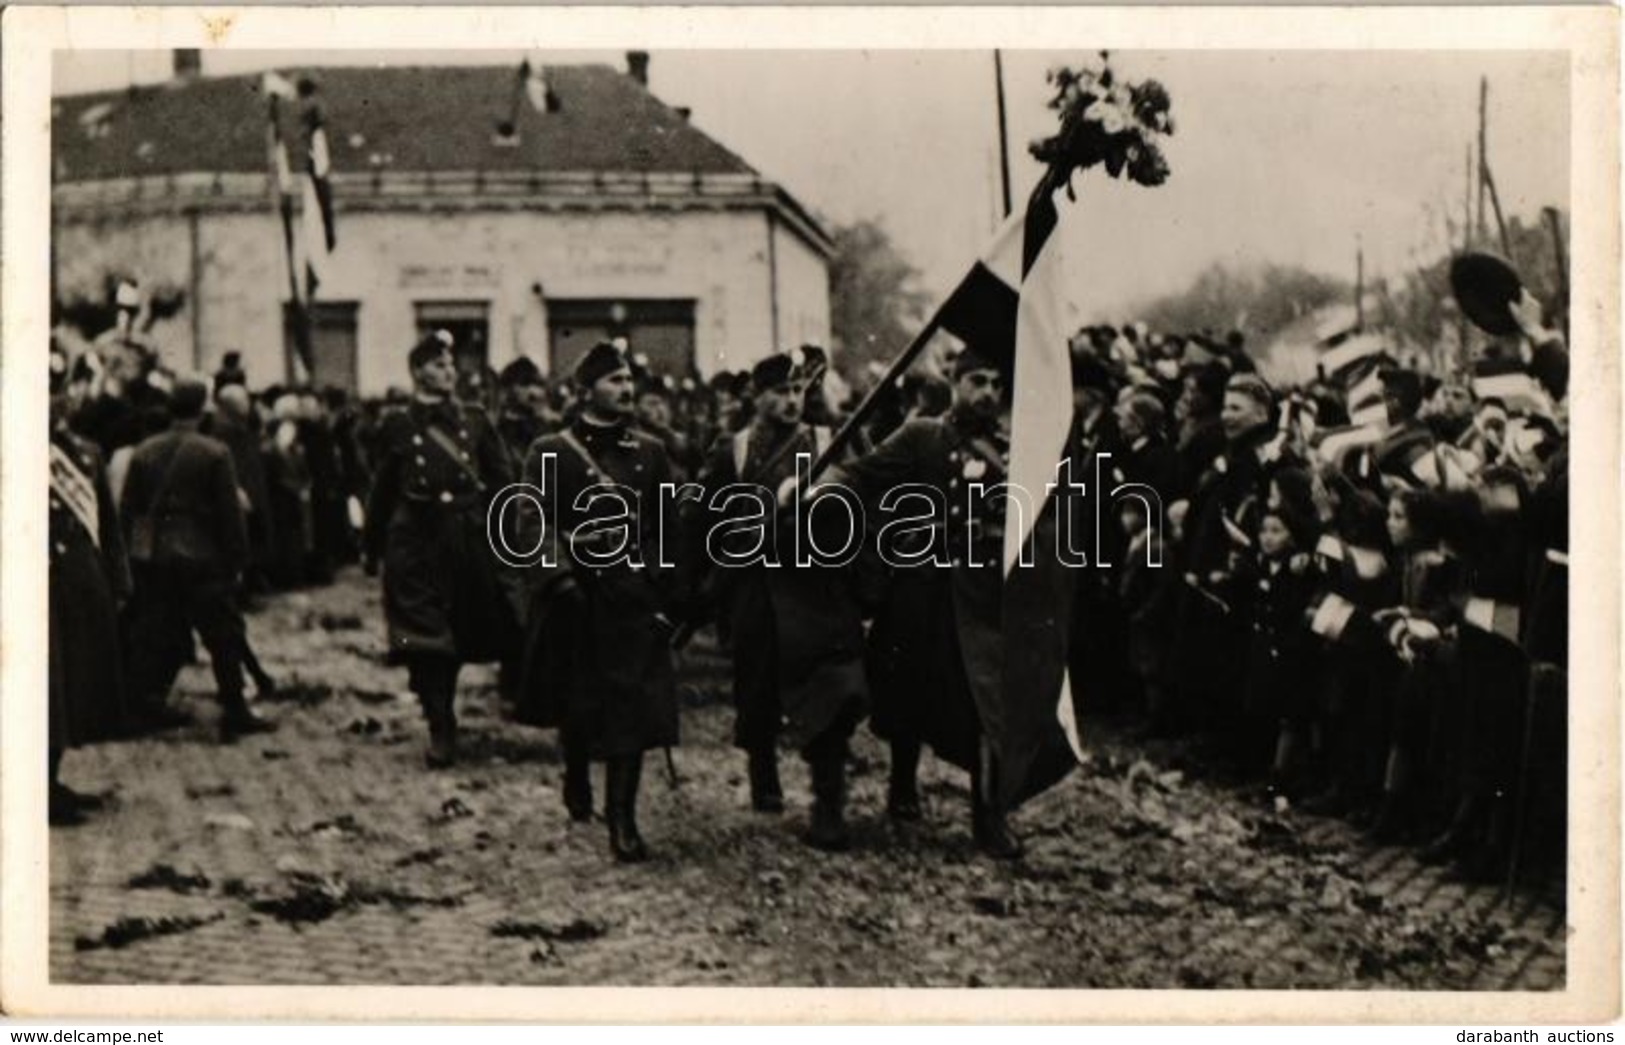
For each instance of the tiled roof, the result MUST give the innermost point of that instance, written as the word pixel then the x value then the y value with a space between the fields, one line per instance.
pixel 399 119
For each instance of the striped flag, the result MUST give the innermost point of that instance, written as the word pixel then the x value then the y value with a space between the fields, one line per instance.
pixel 1011 307
pixel 277 90
pixel 320 234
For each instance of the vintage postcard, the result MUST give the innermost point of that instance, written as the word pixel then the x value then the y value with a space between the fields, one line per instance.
pixel 814 514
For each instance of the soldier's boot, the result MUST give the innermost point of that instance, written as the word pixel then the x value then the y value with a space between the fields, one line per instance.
pixel 827 829
pixel 621 781
pixel 766 794
pixel 903 790
pixel 989 827
pixel 236 720
pixel 1454 839
pixel 577 783
pixel 442 719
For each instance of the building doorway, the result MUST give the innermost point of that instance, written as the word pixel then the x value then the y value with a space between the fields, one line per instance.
pixel 660 329
pixel 332 343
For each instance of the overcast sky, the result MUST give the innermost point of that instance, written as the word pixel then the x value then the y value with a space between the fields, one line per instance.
pixel 1291 157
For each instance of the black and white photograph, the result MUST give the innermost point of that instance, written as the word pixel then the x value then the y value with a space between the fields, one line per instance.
pixel 645 511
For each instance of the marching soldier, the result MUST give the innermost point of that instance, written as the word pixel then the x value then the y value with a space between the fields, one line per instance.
pixel 439 463
pixel 597 652
pixel 523 393
pixel 936 647
pixel 797 629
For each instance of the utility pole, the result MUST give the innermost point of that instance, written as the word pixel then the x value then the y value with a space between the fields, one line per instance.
pixel 1359 285
pixel 1483 157
pixel 1467 202
pixel 1486 177
pixel 1554 222
pixel 1004 134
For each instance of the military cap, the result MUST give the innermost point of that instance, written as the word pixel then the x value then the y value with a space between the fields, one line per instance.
pixel 430 347
pixel 1089 371
pixel 773 371
pixel 522 371
pixel 601 360
pixel 656 384
pixel 969 361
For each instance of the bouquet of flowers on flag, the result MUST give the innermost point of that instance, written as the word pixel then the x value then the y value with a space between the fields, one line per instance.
pixel 1107 120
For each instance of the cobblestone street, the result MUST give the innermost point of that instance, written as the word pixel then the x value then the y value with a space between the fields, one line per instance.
pixel 326 853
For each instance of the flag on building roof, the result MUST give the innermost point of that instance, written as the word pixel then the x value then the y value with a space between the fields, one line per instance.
pixel 320 234
pixel 277 90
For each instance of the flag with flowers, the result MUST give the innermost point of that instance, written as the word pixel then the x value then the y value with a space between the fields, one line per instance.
pixel 1105 119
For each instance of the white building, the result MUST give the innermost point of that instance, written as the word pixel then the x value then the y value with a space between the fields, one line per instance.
pixel 603 213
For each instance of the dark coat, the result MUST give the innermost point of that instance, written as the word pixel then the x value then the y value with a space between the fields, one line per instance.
pixel 1195 451
pixel 1546 628
pixel 184 485
pixel 797 631
pixel 426 519
pixel 1151 462
pixel 1228 500
pixel 292 510
pixel 248 459
pixel 1281 653
pixel 1432 588
pixel 936 650
pixel 597 656
pixel 88 577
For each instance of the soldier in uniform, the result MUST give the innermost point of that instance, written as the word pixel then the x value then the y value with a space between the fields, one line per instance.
pixel 88 578
pixel 597 652
pixel 523 394
pixel 439 464
pixel 188 541
pixel 936 647
pixel 797 629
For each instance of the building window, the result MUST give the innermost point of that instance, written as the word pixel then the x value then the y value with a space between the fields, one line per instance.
pixel 469 324
pixel 661 329
pixel 332 342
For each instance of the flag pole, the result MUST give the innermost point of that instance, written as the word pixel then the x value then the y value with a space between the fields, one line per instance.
pixel 279 177
pixel 871 402
pixel 905 359
pixel 1004 134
